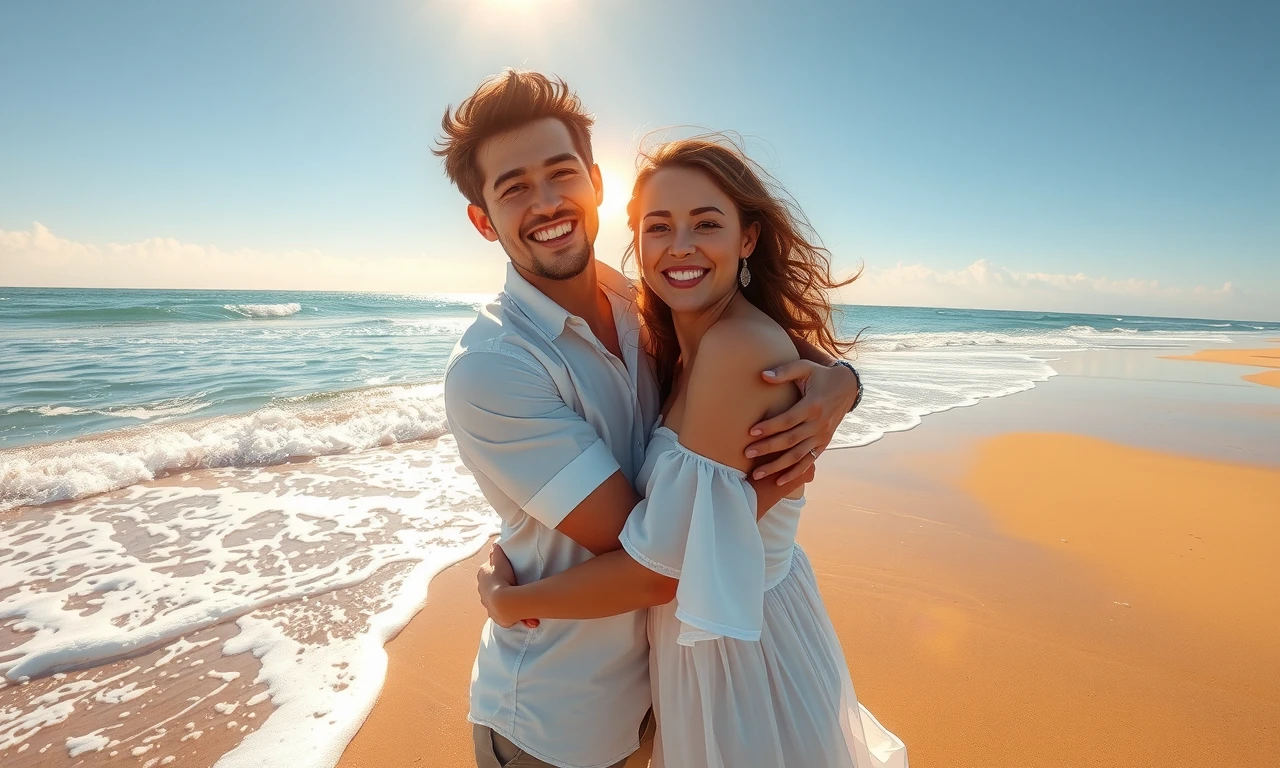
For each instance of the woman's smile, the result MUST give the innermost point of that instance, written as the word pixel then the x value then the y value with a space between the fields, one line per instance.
pixel 684 277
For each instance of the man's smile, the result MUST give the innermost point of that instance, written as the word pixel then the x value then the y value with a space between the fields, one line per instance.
pixel 554 234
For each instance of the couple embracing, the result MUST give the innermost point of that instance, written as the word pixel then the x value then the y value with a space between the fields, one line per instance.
pixel 645 446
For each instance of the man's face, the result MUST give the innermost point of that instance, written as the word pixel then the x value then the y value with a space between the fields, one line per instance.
pixel 542 199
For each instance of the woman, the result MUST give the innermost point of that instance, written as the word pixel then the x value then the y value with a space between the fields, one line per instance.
pixel 746 669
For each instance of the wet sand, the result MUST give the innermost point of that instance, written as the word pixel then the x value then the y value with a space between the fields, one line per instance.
pixel 421 715
pixel 313 558
pixel 1259 358
pixel 972 630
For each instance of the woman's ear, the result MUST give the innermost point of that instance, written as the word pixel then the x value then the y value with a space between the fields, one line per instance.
pixel 750 236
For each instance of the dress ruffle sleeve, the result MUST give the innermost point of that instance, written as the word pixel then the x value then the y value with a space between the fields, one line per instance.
pixel 697 524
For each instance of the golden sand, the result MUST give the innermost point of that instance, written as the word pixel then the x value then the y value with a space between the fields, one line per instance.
pixel 1260 358
pixel 971 629
pixel 421 715
pixel 1200 537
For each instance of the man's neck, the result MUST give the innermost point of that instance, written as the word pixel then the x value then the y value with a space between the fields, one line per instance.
pixel 579 295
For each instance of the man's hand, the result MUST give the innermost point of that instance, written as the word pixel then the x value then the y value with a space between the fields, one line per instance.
pixel 808 425
pixel 491 579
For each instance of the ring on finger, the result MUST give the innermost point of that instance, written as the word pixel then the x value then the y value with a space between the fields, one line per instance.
pixel 814 453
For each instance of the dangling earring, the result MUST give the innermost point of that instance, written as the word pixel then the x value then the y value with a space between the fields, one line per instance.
pixel 744 276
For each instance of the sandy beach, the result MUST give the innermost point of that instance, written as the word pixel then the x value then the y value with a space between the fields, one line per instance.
pixel 1259 358
pixel 1077 575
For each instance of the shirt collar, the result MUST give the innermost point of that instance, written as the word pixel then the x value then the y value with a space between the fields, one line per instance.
pixel 549 316
pixel 545 313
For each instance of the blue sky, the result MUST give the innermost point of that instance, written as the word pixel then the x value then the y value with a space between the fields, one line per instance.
pixel 1093 156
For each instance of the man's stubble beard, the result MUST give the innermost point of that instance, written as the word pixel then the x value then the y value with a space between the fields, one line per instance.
pixel 565 267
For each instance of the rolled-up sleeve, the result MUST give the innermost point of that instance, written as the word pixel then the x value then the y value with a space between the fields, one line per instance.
pixel 513 426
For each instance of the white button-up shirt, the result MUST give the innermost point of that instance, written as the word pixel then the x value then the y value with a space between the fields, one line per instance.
pixel 543 414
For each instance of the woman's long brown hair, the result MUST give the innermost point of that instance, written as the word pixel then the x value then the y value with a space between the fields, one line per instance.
pixel 790 273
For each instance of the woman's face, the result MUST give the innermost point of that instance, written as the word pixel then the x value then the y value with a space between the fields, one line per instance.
pixel 691 240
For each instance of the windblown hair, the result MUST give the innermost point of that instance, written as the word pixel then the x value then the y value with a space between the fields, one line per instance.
pixel 790 271
pixel 505 102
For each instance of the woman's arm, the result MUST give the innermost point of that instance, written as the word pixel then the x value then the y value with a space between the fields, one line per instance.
pixel 715 426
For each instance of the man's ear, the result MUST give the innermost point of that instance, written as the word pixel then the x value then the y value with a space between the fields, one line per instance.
pixel 480 220
pixel 750 236
pixel 597 181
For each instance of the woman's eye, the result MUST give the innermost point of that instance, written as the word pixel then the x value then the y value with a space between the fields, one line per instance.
pixel 657 228
pixel 707 225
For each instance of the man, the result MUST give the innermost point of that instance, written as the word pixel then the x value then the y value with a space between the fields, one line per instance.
pixel 551 399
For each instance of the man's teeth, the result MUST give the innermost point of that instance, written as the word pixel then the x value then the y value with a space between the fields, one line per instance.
pixel 543 235
pixel 685 274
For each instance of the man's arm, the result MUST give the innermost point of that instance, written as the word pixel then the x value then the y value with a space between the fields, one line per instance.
pixel 714 427
pixel 513 425
pixel 813 354
pixel 788 438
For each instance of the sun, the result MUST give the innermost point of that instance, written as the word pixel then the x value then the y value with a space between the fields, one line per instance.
pixel 617 190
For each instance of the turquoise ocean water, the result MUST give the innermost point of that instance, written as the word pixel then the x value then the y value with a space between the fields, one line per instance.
pixel 324 373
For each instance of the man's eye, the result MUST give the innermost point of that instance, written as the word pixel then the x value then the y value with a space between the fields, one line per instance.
pixel 564 173
pixel 513 189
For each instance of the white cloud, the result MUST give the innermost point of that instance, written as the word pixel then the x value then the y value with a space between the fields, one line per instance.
pixel 40 258
pixel 984 285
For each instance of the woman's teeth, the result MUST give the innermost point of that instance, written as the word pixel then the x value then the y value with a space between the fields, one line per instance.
pixel 685 275
pixel 543 235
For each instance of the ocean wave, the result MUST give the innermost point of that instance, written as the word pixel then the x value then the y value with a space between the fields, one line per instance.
pixel 98 315
pixel 1073 337
pixel 264 310
pixel 178 406
pixel 334 424
pixel 103 580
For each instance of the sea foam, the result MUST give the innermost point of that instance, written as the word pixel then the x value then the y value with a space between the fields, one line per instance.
pixel 78 468
pixel 140 570
pixel 911 375
pixel 264 310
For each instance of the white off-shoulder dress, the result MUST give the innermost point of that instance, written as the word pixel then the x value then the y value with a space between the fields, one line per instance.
pixel 745 667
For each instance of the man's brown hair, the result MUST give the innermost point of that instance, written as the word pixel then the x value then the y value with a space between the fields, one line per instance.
pixel 505 102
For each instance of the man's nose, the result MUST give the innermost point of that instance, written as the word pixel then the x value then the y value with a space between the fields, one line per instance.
pixel 546 200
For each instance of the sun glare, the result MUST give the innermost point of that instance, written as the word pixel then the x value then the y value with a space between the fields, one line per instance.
pixel 617 190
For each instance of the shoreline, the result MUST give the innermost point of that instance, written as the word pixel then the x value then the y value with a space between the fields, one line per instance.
pixel 939 590
pixel 971 630
pixel 1254 358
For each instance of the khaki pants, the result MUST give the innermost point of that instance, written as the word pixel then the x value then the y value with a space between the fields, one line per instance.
pixel 493 750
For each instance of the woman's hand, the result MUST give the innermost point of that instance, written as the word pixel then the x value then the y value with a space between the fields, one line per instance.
pixel 492 580
pixel 809 425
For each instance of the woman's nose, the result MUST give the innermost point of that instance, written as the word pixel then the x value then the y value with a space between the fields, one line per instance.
pixel 683 245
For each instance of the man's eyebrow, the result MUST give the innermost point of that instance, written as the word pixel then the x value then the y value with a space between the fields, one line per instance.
pixel 511 174
pixel 706 209
pixel 662 214
pixel 567 157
